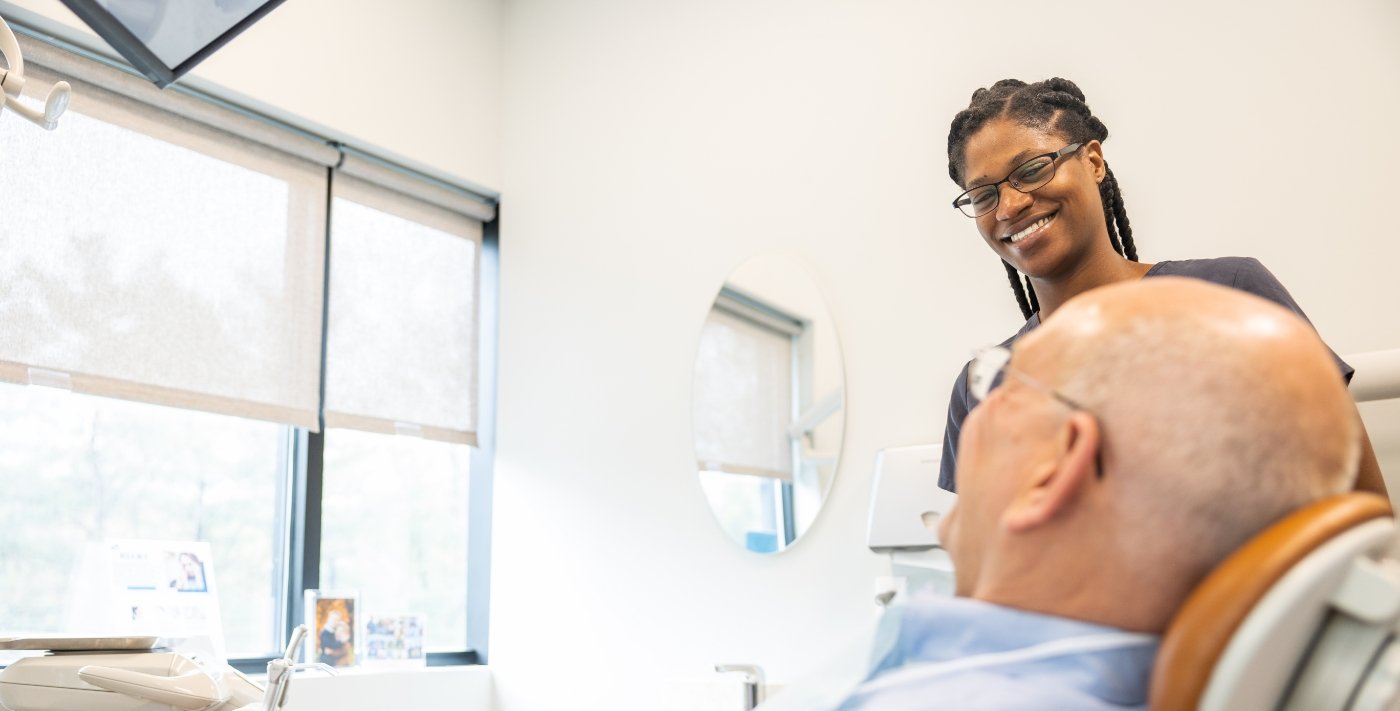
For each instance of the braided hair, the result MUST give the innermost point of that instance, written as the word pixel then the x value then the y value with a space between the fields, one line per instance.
pixel 1052 105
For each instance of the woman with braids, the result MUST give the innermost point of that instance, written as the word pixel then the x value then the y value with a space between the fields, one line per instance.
pixel 1029 159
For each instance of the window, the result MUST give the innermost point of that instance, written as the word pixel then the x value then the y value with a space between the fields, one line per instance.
pixel 394 527
pixel 203 301
pixel 78 469
pixel 156 260
pixel 401 357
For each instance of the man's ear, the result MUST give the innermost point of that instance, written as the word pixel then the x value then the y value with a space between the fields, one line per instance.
pixel 1053 487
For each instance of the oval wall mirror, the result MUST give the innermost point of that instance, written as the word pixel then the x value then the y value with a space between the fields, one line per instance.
pixel 768 404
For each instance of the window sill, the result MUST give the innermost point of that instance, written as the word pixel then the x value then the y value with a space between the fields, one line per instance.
pixel 375 689
pixel 257 666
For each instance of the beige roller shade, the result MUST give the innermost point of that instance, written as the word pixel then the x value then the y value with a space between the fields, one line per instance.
pixel 371 170
pixel 401 353
pixel 158 256
pixel 743 396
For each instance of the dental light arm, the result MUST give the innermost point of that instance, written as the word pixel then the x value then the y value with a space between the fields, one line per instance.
pixel 12 83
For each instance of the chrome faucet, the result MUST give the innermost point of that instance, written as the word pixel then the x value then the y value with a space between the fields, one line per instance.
pixel 753 682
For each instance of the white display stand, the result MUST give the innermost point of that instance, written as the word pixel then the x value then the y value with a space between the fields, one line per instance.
pixel 159 588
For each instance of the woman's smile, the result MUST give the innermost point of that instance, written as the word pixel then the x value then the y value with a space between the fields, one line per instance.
pixel 1036 227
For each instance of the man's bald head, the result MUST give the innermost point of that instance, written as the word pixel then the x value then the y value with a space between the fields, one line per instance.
pixel 1220 411
pixel 1141 435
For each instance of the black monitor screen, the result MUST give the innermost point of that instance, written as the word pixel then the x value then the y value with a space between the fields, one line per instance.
pixel 165 38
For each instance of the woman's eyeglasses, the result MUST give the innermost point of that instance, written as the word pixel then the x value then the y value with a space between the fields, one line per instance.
pixel 1029 176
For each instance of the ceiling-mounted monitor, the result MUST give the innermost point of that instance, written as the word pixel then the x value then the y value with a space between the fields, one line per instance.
pixel 164 39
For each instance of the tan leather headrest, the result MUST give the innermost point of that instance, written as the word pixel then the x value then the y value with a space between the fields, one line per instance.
pixel 1198 635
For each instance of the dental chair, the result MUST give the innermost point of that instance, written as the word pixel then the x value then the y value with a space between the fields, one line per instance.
pixel 1303 617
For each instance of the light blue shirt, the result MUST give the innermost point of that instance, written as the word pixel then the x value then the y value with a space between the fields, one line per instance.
pixel 963 654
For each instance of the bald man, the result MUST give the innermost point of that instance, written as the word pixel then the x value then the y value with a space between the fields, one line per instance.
pixel 1145 432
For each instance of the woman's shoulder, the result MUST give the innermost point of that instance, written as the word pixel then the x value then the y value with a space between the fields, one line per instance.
pixel 1229 271
pixel 1243 273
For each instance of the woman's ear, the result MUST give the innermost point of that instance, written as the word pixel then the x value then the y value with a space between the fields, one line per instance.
pixel 1054 487
pixel 1093 152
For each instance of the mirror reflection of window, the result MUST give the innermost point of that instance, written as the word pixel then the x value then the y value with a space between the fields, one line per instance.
pixel 767 405
pixel 745 401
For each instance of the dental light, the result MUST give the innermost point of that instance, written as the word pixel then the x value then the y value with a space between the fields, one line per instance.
pixel 12 83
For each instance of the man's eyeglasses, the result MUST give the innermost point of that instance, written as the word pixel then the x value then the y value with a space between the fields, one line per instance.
pixel 1029 176
pixel 991 365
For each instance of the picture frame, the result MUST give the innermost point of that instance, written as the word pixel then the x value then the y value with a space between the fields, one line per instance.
pixel 147 587
pixel 333 621
pixel 395 640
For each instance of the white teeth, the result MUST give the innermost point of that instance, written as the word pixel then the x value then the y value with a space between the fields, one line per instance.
pixel 1029 229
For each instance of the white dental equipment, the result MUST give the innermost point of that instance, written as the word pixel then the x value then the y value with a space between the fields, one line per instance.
pixel 129 674
pixel 905 508
pixel 279 674
pixel 1377 375
pixel 905 501
pixel 12 83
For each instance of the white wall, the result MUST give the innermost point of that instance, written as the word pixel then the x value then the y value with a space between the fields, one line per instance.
pixel 651 147
pixel 419 78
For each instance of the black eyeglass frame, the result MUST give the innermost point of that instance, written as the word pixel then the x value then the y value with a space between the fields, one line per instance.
pixel 1054 157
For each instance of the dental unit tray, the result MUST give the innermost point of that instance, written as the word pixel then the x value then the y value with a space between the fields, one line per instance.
pixel 78 644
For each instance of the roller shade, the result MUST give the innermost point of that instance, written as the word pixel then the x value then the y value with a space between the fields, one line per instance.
pixel 157 250
pixel 401 353
pixel 743 394
pixel 368 169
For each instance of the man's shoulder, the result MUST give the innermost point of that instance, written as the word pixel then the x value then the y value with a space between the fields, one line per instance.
pixel 980 655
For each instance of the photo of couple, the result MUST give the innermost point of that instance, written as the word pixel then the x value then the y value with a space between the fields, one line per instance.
pixel 335 628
